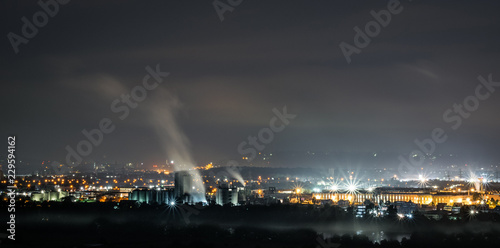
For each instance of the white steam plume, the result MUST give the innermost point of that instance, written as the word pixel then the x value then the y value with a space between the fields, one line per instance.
pixel 164 108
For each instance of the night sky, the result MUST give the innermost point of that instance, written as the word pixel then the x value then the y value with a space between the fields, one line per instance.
pixel 227 76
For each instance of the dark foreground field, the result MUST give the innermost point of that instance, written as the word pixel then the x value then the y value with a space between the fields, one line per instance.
pixel 105 225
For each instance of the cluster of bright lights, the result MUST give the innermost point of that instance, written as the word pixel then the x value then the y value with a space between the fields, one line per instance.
pixel 402 216
pixel 351 185
pixel 375 213
pixel 473 180
pixel 476 181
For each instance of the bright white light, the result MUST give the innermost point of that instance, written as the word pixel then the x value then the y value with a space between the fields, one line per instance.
pixel 172 203
pixel 422 180
pixel 351 187
pixel 333 185
pixel 474 181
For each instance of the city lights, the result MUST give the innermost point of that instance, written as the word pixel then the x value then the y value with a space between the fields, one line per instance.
pixel 290 124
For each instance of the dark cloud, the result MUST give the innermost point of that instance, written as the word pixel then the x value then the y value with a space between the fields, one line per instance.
pixel 228 76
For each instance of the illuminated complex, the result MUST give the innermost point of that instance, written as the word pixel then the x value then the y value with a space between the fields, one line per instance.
pixel 418 196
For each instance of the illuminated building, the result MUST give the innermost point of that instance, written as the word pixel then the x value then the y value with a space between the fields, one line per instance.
pixel 360 211
pixel 417 196
pixel 49 196
pixel 227 194
pixel 183 182
pixel 149 196
pixel 405 208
